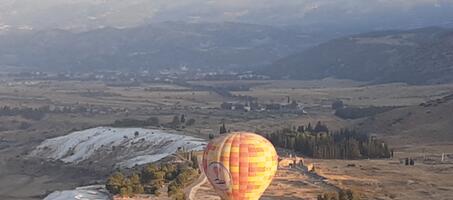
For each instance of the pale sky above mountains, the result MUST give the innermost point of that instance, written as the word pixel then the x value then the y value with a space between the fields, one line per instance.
pixel 88 14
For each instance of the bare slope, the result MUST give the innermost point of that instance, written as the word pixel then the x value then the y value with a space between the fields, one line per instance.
pixel 415 56
pixel 427 123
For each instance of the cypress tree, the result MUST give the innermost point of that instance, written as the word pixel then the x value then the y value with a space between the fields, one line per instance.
pixel 223 129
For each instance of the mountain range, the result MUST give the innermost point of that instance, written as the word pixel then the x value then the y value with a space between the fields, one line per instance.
pixel 155 46
pixel 328 15
pixel 417 56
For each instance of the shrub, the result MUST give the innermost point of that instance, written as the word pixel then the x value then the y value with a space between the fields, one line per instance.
pixel 338 104
pixel 341 195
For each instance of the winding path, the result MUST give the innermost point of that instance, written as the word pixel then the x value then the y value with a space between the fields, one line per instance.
pixel 316 179
pixel 312 178
pixel 189 192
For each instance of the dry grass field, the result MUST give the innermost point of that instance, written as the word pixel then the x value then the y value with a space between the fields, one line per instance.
pixel 388 179
pixel 287 185
pixel 40 93
pixel 376 179
pixel 352 93
pixel 370 179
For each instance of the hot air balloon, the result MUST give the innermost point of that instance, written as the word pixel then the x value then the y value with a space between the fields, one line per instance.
pixel 240 166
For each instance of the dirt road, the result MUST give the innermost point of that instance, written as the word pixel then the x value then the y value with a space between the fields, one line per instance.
pixel 190 191
pixel 316 179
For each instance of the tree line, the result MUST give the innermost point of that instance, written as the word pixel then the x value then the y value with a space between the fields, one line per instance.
pixel 27 113
pixel 319 142
pixel 129 122
pixel 177 122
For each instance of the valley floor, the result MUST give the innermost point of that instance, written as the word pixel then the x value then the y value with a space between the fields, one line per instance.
pixel 371 179
pixel 92 104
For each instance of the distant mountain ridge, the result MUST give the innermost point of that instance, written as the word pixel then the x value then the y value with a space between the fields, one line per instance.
pixel 417 56
pixel 155 46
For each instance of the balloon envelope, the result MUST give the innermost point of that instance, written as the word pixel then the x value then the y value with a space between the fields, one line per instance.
pixel 240 166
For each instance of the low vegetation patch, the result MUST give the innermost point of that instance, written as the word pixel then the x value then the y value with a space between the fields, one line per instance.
pixel 177 122
pixel 152 121
pixel 26 113
pixel 152 178
pixel 357 112
pixel 340 195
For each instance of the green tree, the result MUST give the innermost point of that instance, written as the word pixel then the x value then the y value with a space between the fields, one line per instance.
pixel 115 182
pixel 194 160
pixel 137 187
pixel 320 128
pixel 126 188
pixel 148 173
pixel 223 129
pixel 309 128
pixel 159 175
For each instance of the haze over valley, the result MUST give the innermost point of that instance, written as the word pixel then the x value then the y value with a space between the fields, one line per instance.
pixel 115 100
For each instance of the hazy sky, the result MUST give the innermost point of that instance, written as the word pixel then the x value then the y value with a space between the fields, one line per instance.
pixel 75 14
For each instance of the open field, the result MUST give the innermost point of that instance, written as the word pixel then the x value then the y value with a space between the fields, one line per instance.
pixel 90 104
pixel 40 93
pixel 371 179
pixel 388 179
pixel 287 185
pixel 358 95
pixel 323 92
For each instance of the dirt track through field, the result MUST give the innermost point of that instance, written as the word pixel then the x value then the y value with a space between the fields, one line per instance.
pixel 190 191
pixel 316 179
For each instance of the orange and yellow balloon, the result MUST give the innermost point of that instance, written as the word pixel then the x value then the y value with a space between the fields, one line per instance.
pixel 240 166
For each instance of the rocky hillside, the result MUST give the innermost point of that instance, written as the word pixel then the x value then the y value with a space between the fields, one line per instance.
pixel 416 56
pixel 426 123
